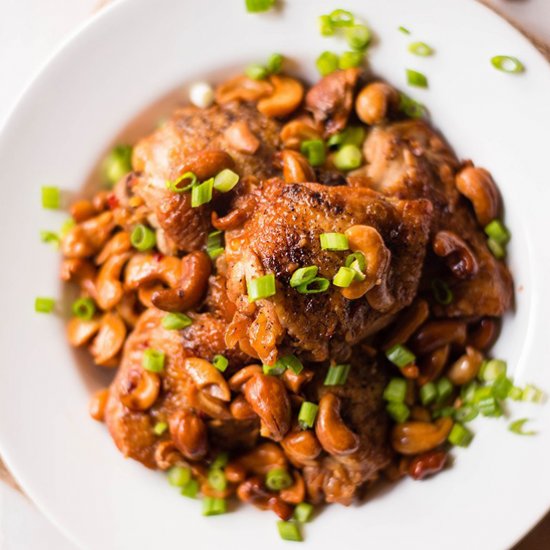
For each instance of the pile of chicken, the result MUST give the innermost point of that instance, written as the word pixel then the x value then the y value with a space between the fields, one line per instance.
pixel 412 209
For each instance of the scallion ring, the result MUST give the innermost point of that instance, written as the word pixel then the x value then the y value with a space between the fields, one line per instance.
pixel 517 427
pixel 84 308
pixel 507 64
pixel 143 238
pixel 303 275
pixel 441 292
pixel 417 79
pixel 261 287
pixel 420 48
pixel 183 183
pixel 317 285
pixel 202 193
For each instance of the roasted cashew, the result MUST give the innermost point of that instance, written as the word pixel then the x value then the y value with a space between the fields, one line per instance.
pixel 264 457
pixel 294 382
pixel 97 404
pixel 239 379
pixel 140 389
pixel 296 492
pixel 412 438
pixel 296 168
pixel 477 185
pixel 81 331
pixel 466 367
pixel 286 97
pixel 242 88
pixel 457 253
pixel 375 102
pixel 438 333
pixel 189 434
pixel 207 378
pixel 239 136
pixel 301 447
pixel 117 244
pixel 109 289
pixel 88 237
pixel 240 409
pixel 407 323
pixel 109 339
pixel 298 130
pixel 82 210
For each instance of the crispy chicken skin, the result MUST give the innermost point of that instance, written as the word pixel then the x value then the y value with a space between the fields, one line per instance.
pixel 180 144
pixel 409 160
pixel 283 235
pixel 337 479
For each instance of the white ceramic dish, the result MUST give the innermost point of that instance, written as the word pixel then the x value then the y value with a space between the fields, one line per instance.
pixel 123 61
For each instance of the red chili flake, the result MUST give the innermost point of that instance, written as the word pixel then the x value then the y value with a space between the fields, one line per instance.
pixel 112 202
pixel 158 256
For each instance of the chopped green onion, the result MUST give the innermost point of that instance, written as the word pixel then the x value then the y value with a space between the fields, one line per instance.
pixel 277 479
pixel 176 321
pixel 507 63
pixel 117 164
pixel 404 30
pixel 358 259
pixel 179 476
pixel 220 362
pixel 491 370
pixel 303 275
pixel 214 244
pixel 217 479
pixel 274 63
pixel 460 436
pixel 400 355
pixel 410 107
pixel 444 389
pixel 315 286
pixel 326 28
pixel 348 60
pixel 444 411
pixel 497 250
pixel 533 394
pixel 84 308
pixel 502 386
pixel 481 393
pixel 307 414
pixel 334 241
pixel 517 427
pixel 314 150
pixel 66 226
pixel 468 391
pixel 396 390
pixel 160 427
pixel 190 489
pixel 255 71
pixel 341 18
pixel 337 375
pixel 226 180
pixel 466 413
pixel 44 305
pixel 153 360
pixel 261 287
pixel 357 36
pixel 202 193
pixel 303 512
pixel 428 393
pixel 420 48
pixel 497 231
pixel 515 393
pixel 274 370
pixel 176 185
pixel 290 362
pixel 348 157
pixel 213 506
pixel 256 6
pixel 414 78
pixel 344 277
pixel 327 63
pixel 289 531
pixel 441 291
pixel 220 461
pixel 398 411
pixel 489 406
pixel 352 135
pixel 49 237
pixel 143 238
pixel 51 197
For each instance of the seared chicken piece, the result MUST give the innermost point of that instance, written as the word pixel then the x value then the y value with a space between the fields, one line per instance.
pixel 283 235
pixel 138 399
pixel 203 141
pixel 337 478
pixel 410 161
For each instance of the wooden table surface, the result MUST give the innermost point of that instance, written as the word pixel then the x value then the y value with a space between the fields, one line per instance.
pixel 539 537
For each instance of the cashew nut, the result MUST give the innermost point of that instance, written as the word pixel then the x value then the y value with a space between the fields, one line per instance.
pixel 432 364
pixel 302 447
pixel 82 210
pixel 466 367
pixel 167 454
pixel 240 409
pixel 79 271
pixel 407 323
pixel 335 437
pixel 109 339
pixel 117 244
pixel 412 438
pixel 189 434
pixel 87 238
pixel 242 88
pixel 239 136
pixel 207 378
pixel 477 185
pixel 296 492
pixel 375 102
pixel 81 331
pixel 140 389
pixel 286 97
pixel 435 334
pixel 298 130
pixel 458 255
pixel 262 458
pixel 239 379
pixel 97 404
pixel 294 382
pixel 296 168
pixel 143 269
pixel 109 289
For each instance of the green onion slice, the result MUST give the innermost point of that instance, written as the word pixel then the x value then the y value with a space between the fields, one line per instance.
pixel 327 63
pixel 255 71
pixel 257 6
pixel 213 506
pixel 396 390
pixel 497 250
pixel 400 355
pixel 153 360
pixel 44 305
pixel 303 275
pixel 357 259
pixel 190 489
pixel 83 308
pixel 414 78
pixel 444 389
pixel 179 476
pixel 143 238
pixel 502 387
pixel 517 427
pixel 348 157
pixel 358 37
pixel 49 237
pixel 420 48
pixel 217 479
pixel 183 183
pixel 289 531
pixel 117 164
pixel 398 411
pixel 314 150
pixel 226 180
pixel 344 277
pixel 492 369
pixel 202 193
pixel 51 197
pixel 214 244
pixel 460 436
pixel 220 461
pixel 261 287
pixel 533 394
pixel 333 241
pixel 307 414
pixel 497 231
pixel 507 63
pixel 466 413
pixel 274 63
pixel 326 28
pixel 341 18
pixel 404 30
pixel 160 427
pixel 337 375
pixel 277 479
pixel 220 362
pixel 303 512
pixel 441 292
pixel 66 226
pixel 315 286
pixel 348 60
pixel 410 107
pixel 290 362
pixel 274 370
pixel 428 393
pixel 176 321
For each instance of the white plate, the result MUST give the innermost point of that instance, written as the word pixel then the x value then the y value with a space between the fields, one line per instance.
pixel 130 56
